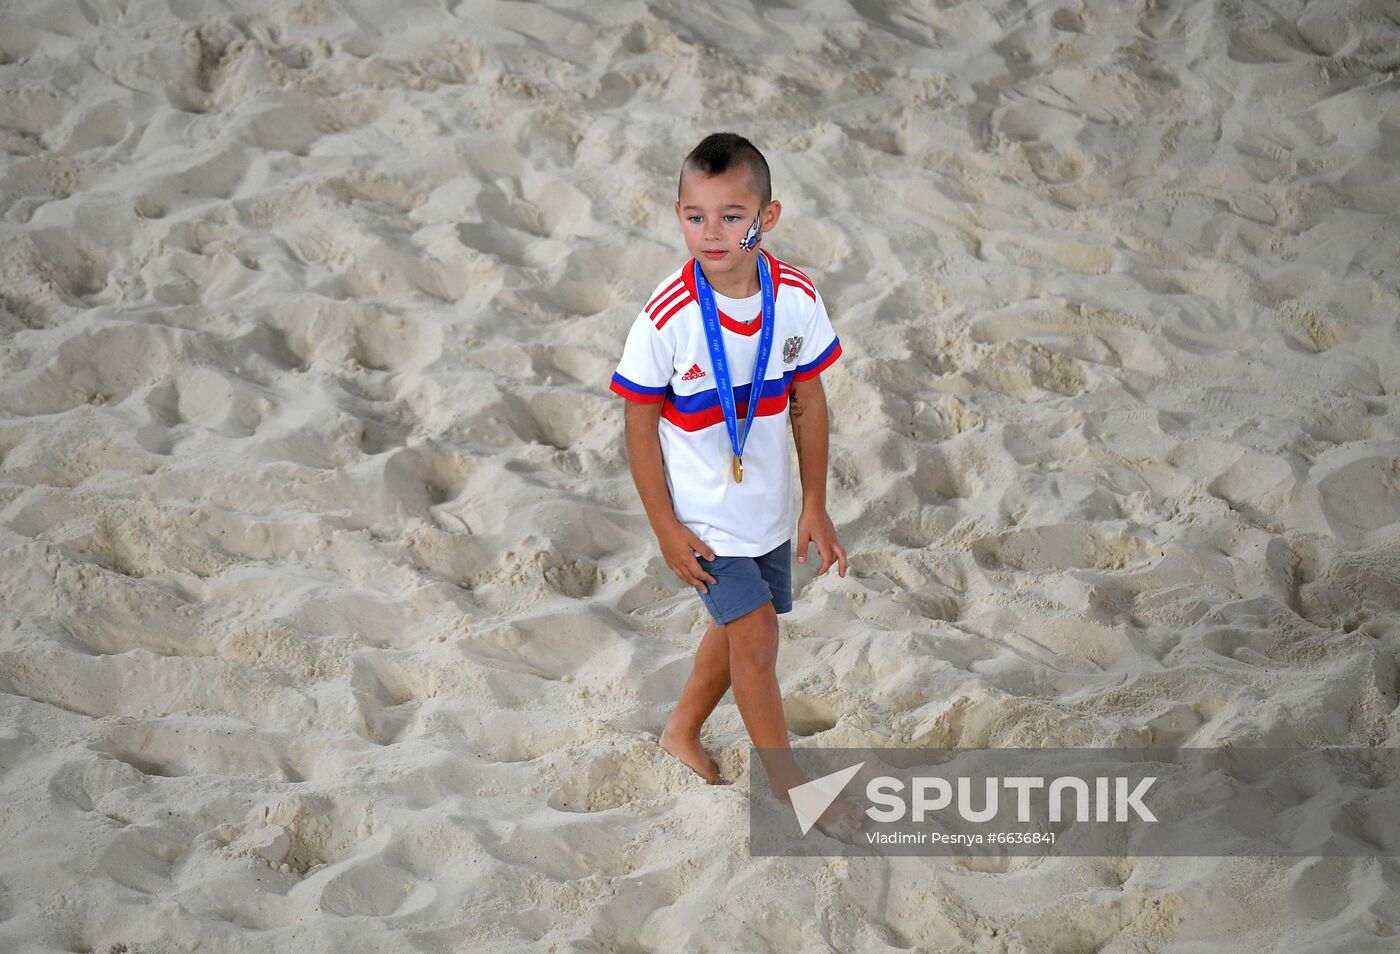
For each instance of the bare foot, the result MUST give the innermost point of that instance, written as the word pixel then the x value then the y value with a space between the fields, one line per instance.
pixel 840 820
pixel 692 753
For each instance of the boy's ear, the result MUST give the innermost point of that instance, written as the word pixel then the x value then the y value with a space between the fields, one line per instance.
pixel 770 215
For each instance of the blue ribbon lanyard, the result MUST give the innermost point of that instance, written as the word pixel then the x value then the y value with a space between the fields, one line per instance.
pixel 720 363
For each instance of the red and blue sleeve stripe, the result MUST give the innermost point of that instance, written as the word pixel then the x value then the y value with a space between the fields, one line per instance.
pixel 637 392
pixel 819 364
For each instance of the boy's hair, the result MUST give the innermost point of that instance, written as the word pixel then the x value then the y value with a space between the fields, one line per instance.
pixel 718 152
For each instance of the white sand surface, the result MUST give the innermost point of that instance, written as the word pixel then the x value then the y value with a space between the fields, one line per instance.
pixel 330 620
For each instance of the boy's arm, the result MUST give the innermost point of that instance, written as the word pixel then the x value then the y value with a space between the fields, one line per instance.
pixel 819 347
pixel 640 423
pixel 641 377
pixel 677 541
pixel 807 409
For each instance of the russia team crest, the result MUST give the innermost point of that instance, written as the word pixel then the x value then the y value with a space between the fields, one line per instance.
pixel 790 348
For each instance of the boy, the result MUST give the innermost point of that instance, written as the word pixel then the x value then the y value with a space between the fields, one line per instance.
pixel 713 473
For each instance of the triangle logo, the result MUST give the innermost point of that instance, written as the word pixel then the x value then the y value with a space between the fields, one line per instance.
pixel 812 798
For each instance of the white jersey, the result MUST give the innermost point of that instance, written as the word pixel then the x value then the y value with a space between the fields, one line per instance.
pixel 667 359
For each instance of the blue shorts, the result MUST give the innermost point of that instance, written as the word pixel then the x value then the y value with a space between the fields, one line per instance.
pixel 744 583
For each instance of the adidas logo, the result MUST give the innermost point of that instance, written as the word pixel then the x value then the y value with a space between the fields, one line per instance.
pixel 694 372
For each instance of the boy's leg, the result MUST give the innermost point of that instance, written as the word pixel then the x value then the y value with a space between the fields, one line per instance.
pixel 708 682
pixel 753 657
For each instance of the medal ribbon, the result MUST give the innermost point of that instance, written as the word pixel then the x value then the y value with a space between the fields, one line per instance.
pixel 721 364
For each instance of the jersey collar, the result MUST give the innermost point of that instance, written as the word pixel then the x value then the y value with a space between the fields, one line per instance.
pixel 738 327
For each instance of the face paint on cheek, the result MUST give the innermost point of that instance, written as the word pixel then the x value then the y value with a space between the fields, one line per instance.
pixel 751 239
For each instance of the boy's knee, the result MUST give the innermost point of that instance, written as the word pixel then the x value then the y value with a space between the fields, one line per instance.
pixel 753 637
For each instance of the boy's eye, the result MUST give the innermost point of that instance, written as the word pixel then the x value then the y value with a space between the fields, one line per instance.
pixel 696 217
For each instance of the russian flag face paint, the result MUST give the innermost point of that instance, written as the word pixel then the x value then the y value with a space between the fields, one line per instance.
pixel 751 239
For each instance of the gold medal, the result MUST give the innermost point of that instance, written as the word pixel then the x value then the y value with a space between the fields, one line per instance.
pixel 738 468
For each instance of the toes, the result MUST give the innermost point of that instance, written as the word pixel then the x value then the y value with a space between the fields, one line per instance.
pixel 844 828
pixel 702 765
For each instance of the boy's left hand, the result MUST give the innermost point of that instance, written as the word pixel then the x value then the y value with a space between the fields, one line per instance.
pixel 814 526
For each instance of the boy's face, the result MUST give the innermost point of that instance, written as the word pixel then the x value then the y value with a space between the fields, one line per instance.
pixel 716 212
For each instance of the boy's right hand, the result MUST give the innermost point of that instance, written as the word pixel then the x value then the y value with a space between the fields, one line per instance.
pixel 678 547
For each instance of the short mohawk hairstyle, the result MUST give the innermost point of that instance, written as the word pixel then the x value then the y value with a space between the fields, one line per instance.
pixel 718 152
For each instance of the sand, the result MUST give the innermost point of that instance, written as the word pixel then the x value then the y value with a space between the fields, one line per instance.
pixel 330 620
